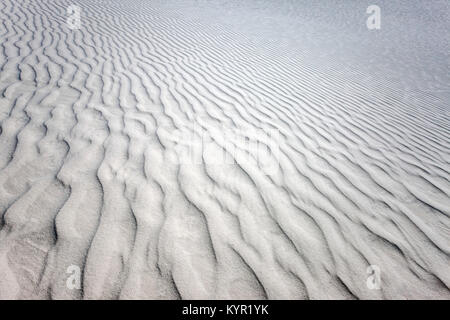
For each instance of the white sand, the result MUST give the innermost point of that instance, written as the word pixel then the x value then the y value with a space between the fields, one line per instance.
pixel 356 174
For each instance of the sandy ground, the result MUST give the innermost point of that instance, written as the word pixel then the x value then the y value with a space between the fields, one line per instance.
pixel 224 150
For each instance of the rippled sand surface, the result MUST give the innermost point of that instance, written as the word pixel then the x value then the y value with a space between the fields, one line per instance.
pixel 324 150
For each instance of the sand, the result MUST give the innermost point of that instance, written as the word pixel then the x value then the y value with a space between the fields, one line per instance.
pixel 224 150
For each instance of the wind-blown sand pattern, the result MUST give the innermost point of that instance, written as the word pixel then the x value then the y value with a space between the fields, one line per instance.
pixel 356 176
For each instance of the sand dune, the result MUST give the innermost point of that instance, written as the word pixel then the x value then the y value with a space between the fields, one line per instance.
pixel 224 150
